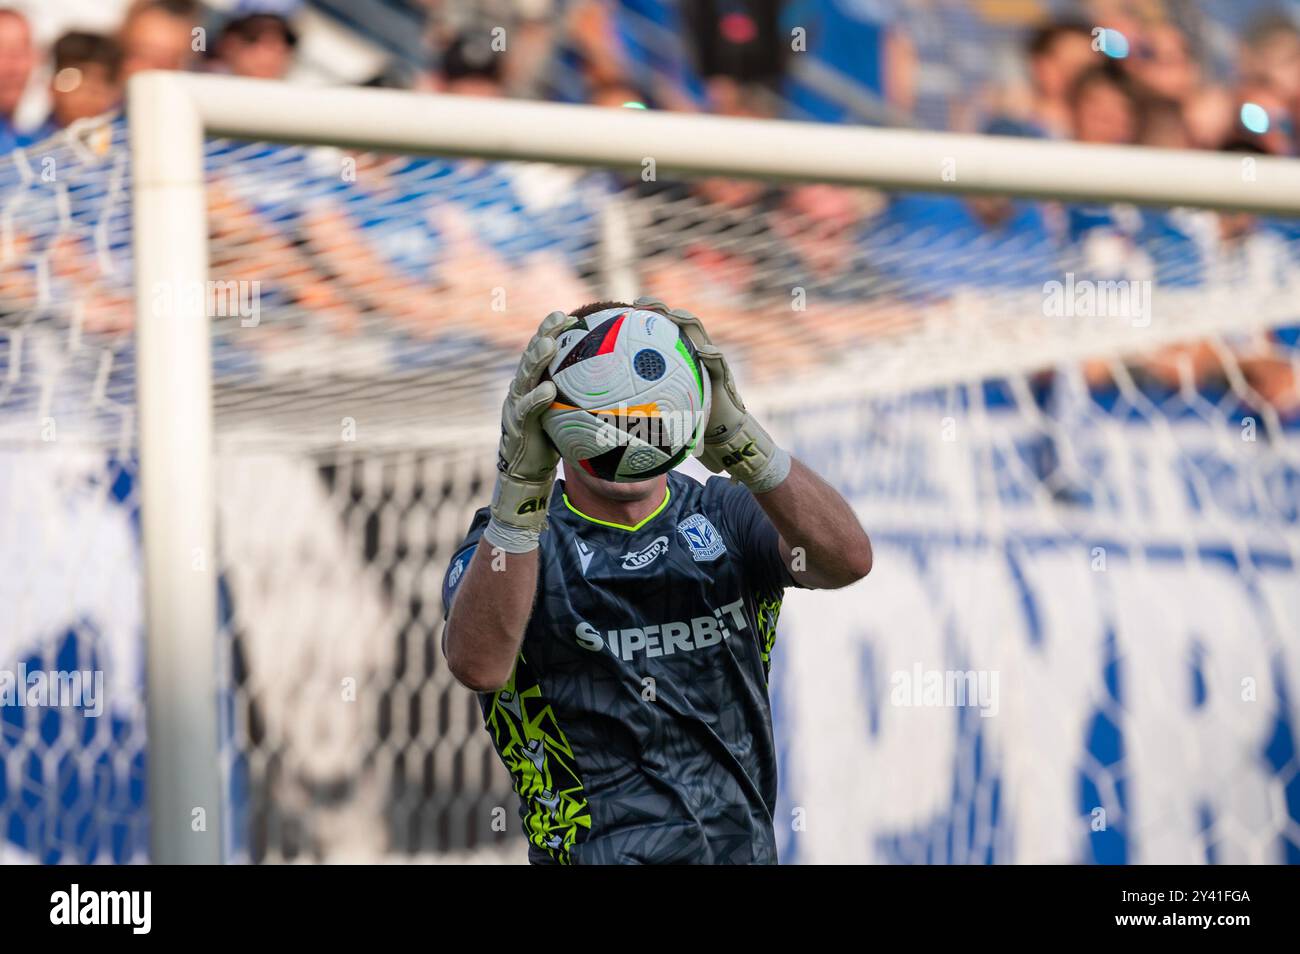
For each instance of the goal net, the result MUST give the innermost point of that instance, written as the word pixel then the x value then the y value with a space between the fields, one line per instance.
pixel 1072 430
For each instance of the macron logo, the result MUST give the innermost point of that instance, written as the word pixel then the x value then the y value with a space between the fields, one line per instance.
pixel 585 553
pixel 102 907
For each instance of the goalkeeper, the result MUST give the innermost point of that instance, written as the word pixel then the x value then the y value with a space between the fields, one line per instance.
pixel 620 634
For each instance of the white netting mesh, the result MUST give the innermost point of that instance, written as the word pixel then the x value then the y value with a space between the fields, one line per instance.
pixel 1109 525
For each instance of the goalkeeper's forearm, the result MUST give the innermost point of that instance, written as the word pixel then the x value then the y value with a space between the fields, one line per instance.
pixel 486 627
pixel 825 545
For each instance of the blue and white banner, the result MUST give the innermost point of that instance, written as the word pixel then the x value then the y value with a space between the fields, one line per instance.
pixel 1080 642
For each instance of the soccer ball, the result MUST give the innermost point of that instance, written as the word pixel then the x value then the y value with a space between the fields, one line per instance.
pixel 631 395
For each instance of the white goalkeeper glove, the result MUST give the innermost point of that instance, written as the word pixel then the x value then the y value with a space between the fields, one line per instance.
pixel 526 458
pixel 733 440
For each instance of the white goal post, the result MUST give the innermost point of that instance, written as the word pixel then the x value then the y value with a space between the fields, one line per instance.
pixel 171 114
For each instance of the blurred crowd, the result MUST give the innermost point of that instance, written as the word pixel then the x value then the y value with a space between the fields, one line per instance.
pixel 1121 72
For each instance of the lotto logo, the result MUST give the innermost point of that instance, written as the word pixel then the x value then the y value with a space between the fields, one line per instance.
pixel 637 559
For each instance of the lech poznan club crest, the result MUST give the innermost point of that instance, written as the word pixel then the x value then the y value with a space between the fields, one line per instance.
pixel 705 541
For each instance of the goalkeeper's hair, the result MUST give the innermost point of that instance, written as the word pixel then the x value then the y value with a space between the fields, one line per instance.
pixel 596 306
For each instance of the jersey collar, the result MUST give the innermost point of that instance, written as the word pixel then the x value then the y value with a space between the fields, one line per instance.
pixel 668 492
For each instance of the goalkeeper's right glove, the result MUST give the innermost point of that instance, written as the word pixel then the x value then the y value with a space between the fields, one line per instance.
pixel 526 458
pixel 733 440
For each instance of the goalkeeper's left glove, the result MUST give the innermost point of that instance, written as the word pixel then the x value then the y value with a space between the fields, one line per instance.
pixel 733 440
pixel 526 458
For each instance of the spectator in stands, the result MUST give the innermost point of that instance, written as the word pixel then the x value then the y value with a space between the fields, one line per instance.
pixel 927 247
pixel 259 40
pixel 1163 124
pixel 1269 369
pixel 86 83
pixel 1210 116
pixel 703 232
pixel 1254 263
pixel 470 66
pixel 1174 247
pixel 727 97
pixel 17 57
pixel 158 35
pixel 1263 115
pixel 1162 63
pixel 792 253
pixel 1249 253
pixel 1173 240
pixel 1103 106
pixel 1058 53
pixel 531 28
pixel 644 42
pixel 618 93
pixel 1164 67
pixel 738 39
pixel 1271 56
pixel 590 26
pixel 87 80
pixel 257 205
pixel 710 240
pixel 482 234
pixel 860 63
pixel 1102 241
pixel 1104 109
pixel 499 219
pixel 820 227
pixel 1249 267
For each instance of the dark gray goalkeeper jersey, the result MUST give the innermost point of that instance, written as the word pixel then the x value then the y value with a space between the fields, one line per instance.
pixel 637 725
